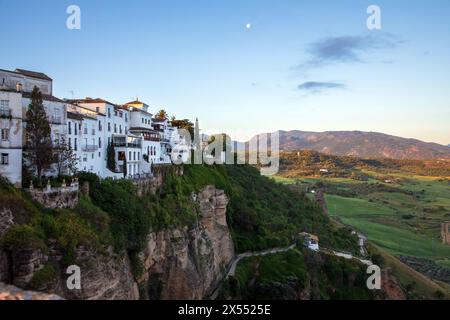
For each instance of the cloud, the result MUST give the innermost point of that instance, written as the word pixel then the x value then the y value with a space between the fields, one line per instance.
pixel 346 49
pixel 316 87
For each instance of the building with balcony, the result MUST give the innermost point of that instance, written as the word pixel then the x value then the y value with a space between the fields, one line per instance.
pixel 142 125
pixel 87 125
pixel 128 150
pixel 11 136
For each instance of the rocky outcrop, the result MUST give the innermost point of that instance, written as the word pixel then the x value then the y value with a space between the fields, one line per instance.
pixel 103 277
pixel 150 185
pixel 25 263
pixel 390 286
pixel 8 292
pixel 188 263
pixel 180 263
pixel 6 220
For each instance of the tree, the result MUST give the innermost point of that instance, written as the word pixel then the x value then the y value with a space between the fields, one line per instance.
pixel 66 160
pixel 111 157
pixel 183 124
pixel 125 167
pixel 39 148
pixel 162 115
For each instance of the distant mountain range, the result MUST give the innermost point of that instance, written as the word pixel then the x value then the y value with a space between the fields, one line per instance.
pixel 362 145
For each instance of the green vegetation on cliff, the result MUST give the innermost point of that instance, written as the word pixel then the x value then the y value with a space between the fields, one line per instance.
pixel 264 214
pixel 261 214
pixel 298 274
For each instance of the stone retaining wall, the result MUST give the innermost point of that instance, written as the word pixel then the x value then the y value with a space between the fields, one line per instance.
pixel 56 198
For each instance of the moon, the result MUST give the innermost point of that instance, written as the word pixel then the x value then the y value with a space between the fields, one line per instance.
pixel 248 26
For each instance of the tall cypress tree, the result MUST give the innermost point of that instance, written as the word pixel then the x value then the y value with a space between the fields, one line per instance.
pixel 111 157
pixel 39 148
pixel 125 167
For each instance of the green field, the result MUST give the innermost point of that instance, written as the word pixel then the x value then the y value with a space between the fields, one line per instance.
pixel 404 219
pixel 380 225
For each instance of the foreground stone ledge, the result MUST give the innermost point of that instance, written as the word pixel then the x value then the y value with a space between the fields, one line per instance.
pixel 8 292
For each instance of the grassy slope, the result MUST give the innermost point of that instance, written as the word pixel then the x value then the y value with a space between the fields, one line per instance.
pixel 264 214
pixel 381 224
pixel 419 286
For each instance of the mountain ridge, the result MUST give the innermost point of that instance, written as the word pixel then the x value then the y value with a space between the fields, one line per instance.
pixel 361 144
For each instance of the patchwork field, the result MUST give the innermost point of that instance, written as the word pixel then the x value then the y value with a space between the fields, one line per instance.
pixel 385 228
pixel 403 217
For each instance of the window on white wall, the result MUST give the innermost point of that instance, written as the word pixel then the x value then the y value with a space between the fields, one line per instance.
pixel 4 108
pixel 55 115
pixel 56 138
pixel 5 134
pixel 4 159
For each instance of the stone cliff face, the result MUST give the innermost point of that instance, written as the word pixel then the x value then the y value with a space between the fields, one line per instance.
pixel 103 275
pixel 184 263
pixel 188 263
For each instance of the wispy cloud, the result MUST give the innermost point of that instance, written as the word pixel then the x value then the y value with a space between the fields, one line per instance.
pixel 345 49
pixel 317 87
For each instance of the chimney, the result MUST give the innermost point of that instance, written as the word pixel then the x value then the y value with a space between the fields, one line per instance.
pixel 18 87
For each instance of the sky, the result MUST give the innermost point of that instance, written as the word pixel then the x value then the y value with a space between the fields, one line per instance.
pixel 248 66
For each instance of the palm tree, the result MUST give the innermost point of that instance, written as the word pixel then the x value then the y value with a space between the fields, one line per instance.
pixel 162 114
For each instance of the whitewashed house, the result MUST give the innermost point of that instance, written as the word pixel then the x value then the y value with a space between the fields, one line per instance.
pixel 110 120
pixel 23 82
pixel 74 129
pixel 56 110
pixel 310 241
pixel 165 131
pixel 88 126
pixel 141 125
pixel 11 136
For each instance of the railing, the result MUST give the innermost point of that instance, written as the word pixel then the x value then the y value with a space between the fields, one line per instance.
pixel 140 176
pixel 152 139
pixel 127 145
pixel 89 148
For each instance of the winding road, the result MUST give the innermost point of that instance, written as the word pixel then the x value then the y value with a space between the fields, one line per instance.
pixel 232 269
pixel 232 266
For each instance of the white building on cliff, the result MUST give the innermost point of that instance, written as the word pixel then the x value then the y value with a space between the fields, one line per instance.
pixel 88 126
